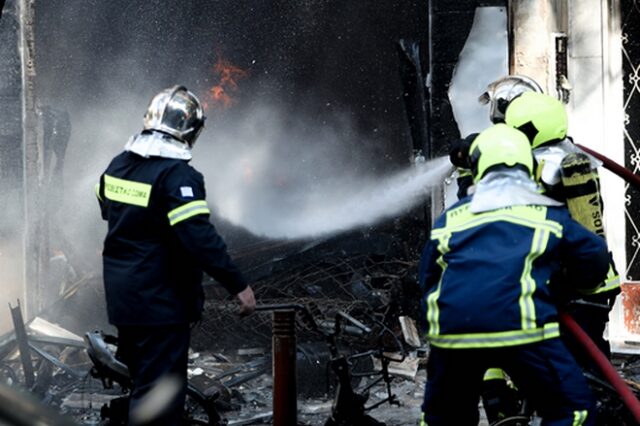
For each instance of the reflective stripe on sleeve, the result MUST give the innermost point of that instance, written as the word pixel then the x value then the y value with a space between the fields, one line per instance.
pixel 612 282
pixel 433 311
pixel 127 191
pixel 494 374
pixel 188 210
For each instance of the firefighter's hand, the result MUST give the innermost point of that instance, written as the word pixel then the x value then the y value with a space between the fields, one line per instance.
pixel 459 152
pixel 247 301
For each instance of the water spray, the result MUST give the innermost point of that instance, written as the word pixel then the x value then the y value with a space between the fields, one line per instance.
pixel 339 207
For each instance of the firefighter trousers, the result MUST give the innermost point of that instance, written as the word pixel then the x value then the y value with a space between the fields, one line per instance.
pixel 545 373
pixel 155 353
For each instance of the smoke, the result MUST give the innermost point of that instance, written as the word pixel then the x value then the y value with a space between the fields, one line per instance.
pixel 313 143
pixel 280 179
pixel 275 174
pixel 99 132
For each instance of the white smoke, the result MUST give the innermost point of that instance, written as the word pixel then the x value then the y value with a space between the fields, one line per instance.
pixel 284 179
pixel 274 174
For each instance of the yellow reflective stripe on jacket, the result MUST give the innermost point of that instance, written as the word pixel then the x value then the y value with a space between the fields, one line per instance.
pixel 433 312
pixel 495 339
pixel 494 374
pixel 188 210
pixel 423 422
pixel 97 189
pixel 528 283
pixel 461 219
pixel 579 417
pixel 127 191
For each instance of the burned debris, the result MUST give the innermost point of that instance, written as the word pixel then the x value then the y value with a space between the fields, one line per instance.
pixel 351 288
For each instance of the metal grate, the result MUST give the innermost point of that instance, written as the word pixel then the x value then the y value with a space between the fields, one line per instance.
pixel 369 288
pixel 631 81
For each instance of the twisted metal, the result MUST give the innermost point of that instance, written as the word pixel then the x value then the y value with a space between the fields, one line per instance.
pixel 362 286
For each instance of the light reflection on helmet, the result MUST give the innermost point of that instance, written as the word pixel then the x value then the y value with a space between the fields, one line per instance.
pixel 499 146
pixel 177 112
pixel 502 91
pixel 541 117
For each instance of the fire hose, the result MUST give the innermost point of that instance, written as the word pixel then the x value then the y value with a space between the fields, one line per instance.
pixel 608 371
pixel 609 164
pixel 603 363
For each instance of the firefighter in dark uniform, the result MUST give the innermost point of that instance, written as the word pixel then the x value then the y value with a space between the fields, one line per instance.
pixel 569 175
pixel 158 244
pixel 485 273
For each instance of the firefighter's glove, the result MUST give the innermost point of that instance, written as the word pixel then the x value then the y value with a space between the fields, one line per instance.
pixel 459 152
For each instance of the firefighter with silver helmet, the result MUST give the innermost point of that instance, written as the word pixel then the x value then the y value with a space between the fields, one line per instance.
pixel 497 96
pixel 486 303
pixel 502 91
pixel 159 242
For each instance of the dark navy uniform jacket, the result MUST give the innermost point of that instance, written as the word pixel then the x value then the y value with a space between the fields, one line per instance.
pixel 159 241
pixel 485 277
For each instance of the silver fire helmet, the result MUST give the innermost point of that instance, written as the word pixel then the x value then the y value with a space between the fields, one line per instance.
pixel 177 112
pixel 502 91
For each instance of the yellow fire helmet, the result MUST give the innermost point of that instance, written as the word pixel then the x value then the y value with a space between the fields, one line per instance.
pixel 541 117
pixel 499 145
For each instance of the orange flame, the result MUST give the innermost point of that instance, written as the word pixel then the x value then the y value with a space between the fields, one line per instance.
pixel 220 95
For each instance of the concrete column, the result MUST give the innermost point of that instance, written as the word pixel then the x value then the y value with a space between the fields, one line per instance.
pixel 36 235
pixel 595 77
pixel 532 25
pixel 596 105
pixel 11 164
pixel 23 230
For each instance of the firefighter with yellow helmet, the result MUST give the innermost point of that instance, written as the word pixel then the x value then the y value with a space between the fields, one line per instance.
pixel 486 302
pixel 569 175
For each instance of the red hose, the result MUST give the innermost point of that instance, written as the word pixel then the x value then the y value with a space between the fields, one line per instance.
pixel 616 168
pixel 610 373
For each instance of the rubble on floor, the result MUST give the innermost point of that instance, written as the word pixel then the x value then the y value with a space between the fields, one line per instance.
pixel 371 278
pixel 242 378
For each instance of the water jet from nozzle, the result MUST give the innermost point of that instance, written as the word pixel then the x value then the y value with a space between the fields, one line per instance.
pixel 336 208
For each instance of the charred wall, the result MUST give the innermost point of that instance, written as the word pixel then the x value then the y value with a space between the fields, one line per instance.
pixel 11 106
pixel 316 56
